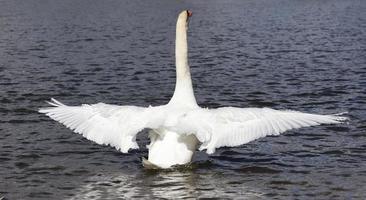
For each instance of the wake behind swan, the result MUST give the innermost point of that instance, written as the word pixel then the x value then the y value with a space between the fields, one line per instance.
pixel 180 127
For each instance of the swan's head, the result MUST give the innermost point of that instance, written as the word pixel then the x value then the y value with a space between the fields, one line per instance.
pixel 184 16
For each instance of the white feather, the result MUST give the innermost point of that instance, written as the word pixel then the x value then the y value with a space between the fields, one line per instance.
pixel 236 126
pixel 106 124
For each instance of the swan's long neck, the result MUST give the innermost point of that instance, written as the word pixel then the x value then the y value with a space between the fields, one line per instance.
pixel 183 93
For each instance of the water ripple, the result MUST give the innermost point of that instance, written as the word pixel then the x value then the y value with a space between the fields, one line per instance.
pixel 307 56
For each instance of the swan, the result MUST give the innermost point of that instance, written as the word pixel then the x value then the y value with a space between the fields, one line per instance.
pixel 179 128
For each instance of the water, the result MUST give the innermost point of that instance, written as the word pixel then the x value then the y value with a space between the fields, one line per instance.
pixel 288 54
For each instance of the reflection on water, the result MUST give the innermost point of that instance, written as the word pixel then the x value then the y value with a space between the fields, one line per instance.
pixel 165 184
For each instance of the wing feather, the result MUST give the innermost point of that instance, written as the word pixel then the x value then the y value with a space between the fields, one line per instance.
pixel 106 124
pixel 236 126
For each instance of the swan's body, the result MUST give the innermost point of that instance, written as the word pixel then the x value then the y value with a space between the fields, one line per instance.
pixel 168 148
pixel 178 127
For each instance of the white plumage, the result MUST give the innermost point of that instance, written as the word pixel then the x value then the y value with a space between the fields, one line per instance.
pixel 231 126
pixel 178 127
pixel 118 125
pixel 106 124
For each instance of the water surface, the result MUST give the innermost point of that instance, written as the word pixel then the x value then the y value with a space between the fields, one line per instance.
pixel 286 54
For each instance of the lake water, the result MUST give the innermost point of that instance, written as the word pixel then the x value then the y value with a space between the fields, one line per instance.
pixel 285 54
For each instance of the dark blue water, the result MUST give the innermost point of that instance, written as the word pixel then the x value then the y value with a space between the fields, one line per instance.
pixel 303 55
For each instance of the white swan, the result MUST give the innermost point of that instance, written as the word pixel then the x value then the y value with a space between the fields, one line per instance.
pixel 176 129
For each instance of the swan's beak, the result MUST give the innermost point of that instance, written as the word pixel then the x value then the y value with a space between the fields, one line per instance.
pixel 189 13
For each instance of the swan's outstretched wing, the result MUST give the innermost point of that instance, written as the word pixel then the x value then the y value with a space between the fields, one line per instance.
pixel 107 124
pixel 230 126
